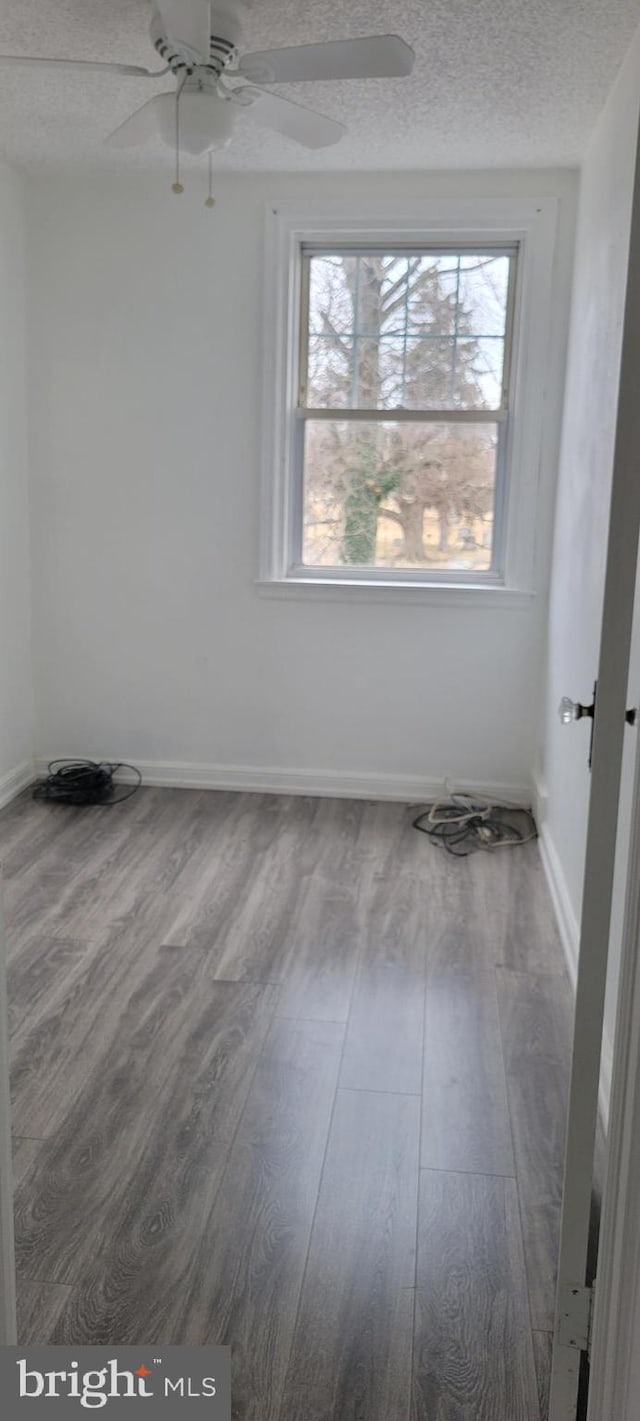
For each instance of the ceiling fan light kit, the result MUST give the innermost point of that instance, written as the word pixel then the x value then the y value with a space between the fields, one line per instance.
pixel 217 85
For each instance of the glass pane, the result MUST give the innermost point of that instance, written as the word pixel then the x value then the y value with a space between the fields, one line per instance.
pixel 429 378
pixel 422 331
pixel 331 289
pixel 379 372
pixel 399 495
pixel 432 297
pixel 384 285
pixel 484 285
pixel 330 372
pixel 478 374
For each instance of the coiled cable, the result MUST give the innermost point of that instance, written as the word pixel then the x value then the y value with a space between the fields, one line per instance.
pixel 85 782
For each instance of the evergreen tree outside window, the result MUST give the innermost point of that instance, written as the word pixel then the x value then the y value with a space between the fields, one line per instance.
pixel 403 409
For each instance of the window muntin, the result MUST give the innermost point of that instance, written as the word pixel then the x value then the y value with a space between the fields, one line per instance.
pixel 403 406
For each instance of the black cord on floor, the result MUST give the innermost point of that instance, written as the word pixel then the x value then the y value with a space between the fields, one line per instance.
pixel 85 782
pixel 462 825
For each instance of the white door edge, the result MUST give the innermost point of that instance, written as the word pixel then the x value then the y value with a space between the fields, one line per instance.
pixel 8 1331
pixel 614 1389
pixel 609 731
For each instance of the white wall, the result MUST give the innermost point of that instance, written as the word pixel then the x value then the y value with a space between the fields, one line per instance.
pixel 152 641
pixel 582 509
pixel 16 715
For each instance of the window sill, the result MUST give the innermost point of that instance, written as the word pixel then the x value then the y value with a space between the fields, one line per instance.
pixel 402 594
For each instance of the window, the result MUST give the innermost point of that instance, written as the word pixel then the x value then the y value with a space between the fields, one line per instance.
pixel 406 357
pixel 403 406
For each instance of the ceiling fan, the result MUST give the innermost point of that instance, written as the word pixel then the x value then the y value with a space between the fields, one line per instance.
pixel 200 45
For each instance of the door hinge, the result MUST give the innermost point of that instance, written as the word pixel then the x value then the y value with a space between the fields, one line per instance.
pixel 575 1317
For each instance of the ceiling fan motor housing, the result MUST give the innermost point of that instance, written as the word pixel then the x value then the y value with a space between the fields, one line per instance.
pixel 190 35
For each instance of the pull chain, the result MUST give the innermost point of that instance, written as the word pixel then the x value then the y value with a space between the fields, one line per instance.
pixel 177 185
pixel 210 199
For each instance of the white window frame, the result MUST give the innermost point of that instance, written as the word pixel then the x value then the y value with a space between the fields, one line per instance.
pixel 527 224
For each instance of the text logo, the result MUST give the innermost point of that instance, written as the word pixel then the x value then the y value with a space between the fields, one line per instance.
pixel 99 1378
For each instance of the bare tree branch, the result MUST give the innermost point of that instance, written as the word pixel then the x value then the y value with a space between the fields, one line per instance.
pixel 330 329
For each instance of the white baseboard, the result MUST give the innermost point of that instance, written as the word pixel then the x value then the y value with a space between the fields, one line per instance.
pixel 568 925
pixel 342 784
pixel 15 781
pixel 539 800
pixel 569 929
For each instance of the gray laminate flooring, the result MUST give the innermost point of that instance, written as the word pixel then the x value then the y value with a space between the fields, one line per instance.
pixel 286 1076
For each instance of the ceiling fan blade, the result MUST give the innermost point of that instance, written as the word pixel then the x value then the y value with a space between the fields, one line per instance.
pixel 303 125
pixel 142 125
pixel 134 69
pixel 376 56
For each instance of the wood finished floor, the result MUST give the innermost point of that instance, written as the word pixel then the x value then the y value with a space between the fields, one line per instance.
pixel 286 1076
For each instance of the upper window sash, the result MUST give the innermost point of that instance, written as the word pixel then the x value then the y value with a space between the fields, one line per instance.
pixel 402 331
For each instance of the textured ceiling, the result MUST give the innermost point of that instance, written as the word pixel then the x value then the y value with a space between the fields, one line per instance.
pixel 496 82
